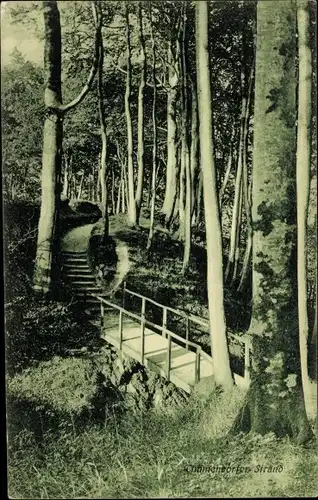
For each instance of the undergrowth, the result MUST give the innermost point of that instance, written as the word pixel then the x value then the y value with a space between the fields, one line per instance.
pixel 156 454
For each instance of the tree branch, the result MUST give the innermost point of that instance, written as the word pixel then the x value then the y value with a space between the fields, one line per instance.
pixel 93 71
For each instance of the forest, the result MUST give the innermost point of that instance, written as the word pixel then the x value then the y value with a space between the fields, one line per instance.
pixel 159 201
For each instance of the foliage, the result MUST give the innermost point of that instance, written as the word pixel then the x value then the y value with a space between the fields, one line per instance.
pixel 155 455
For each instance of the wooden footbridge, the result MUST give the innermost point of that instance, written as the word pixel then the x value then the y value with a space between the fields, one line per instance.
pixel 172 356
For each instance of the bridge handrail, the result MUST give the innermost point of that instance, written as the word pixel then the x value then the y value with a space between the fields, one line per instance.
pixel 139 318
pixel 246 338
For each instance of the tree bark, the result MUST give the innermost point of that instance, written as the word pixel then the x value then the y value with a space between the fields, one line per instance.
pixel 141 139
pixel 154 148
pixel 228 167
pixel 131 189
pixel 220 353
pixel 52 147
pixel 275 401
pixel 186 152
pixel 303 180
pixel 246 190
pixel 171 177
pixel 102 121
pixel 237 196
pixel 53 140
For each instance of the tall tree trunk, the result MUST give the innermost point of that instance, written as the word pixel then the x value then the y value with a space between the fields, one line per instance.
pixel 246 189
pixel 185 138
pixel 220 353
pixel 66 179
pixel 303 180
pixel 228 167
pixel 275 401
pixel 238 235
pixel 53 139
pixel 171 177
pixel 113 191
pixel 194 151
pixel 131 189
pixel 102 121
pixel 52 147
pixel 237 195
pixel 154 148
pixel 80 187
pixel 141 139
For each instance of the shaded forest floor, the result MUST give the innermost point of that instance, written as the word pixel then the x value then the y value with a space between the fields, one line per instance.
pixel 123 451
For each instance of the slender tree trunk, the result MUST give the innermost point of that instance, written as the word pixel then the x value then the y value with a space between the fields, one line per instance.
pixel 154 148
pixel 228 168
pixel 275 401
pixel 103 156
pixel 80 188
pixel 303 180
pixel 220 353
pixel 185 137
pixel 141 139
pixel 171 177
pixel 238 235
pixel 194 151
pixel 66 179
pixel 238 180
pixel 131 189
pixel 197 214
pixel 113 191
pixel 246 190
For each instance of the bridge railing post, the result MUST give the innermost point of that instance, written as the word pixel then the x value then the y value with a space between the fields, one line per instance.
pixel 164 321
pixel 142 330
pixel 197 364
pixel 120 329
pixel 168 367
pixel 187 332
pixel 124 294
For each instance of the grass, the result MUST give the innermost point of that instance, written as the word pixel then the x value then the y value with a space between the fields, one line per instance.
pixel 154 455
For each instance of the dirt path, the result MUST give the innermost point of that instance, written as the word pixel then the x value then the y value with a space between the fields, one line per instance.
pixel 77 239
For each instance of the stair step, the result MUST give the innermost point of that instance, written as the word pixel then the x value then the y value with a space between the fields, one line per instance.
pixel 84 284
pixel 81 266
pixel 74 253
pixel 81 276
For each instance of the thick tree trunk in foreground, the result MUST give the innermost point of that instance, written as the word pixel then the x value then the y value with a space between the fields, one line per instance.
pixel 52 147
pixel 171 178
pixel 275 401
pixel 141 146
pixel 303 180
pixel 220 353
pixel 131 188
pixel 53 139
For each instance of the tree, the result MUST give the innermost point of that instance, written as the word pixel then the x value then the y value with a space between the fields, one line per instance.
pixel 303 180
pixel 154 146
pixel 141 132
pixel 275 400
pixel 220 354
pixel 131 189
pixel 101 111
pixel 53 139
